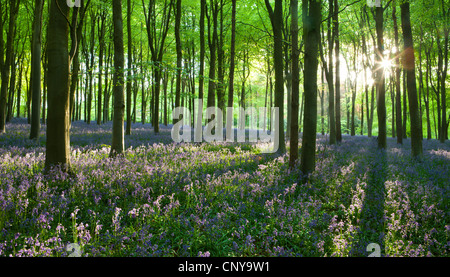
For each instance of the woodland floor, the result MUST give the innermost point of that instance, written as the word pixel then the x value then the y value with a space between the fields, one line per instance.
pixel 167 199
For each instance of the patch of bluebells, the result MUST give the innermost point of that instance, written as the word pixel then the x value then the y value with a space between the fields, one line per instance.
pixel 167 199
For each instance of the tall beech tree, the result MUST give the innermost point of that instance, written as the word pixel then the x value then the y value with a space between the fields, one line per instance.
pixel 157 19
pixel 328 70
pixel 409 66
pixel 179 50
pixel 232 61
pixel 311 35
pixel 36 70
pixel 337 50
pixel 8 62
pixel 118 141
pixel 380 78
pixel 276 18
pixel 58 121
pixel 293 154
pixel 398 97
pixel 130 64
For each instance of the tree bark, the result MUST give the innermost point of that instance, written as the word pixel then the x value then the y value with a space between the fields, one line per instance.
pixel 311 33
pixel 232 59
pixel 409 65
pixel 58 122
pixel 179 55
pixel 380 80
pixel 338 74
pixel 398 99
pixel 212 41
pixel 276 17
pixel 100 64
pixel 293 154
pixel 118 145
pixel 130 65
pixel 5 70
pixel 157 29
pixel 36 71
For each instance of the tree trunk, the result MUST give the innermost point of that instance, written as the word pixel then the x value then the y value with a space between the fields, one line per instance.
pixel 380 80
pixel 130 65
pixel 338 74
pixel 220 62
pixel 12 88
pixel 2 72
pixel 444 123
pixel 405 109
pixel 90 68
pixel 58 122
pixel 232 62
pixel 118 145
pixel 202 49
pixel 311 35
pixel 427 95
pixel 398 99
pixel 100 64
pixel 293 154
pixel 179 56
pixel 36 71
pixel 212 41
pixel 409 65
pixel 19 89
pixel 158 24
pixel 5 70
pixel 329 75
pixel 276 16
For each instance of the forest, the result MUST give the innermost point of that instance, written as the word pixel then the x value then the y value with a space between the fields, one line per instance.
pixel 354 95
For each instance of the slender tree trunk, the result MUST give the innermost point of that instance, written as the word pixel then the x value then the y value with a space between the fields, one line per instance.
pixel 44 93
pixel 212 40
pixel 36 71
pixel 354 88
pixel 5 70
pixel 409 65
pixel 232 62
pixel 220 62
pixel 2 73
pixel 130 65
pixel 165 85
pixel 398 99
pixel 293 154
pixel 322 106
pixel 202 49
pixel 380 80
pixel 338 74
pixel 405 109
pixel 12 88
pixel 276 16
pixel 90 69
pixel 19 89
pixel 329 68
pixel 58 122
pixel 179 56
pixel 118 145
pixel 100 64
pixel 311 33
pixel 427 95
pixel 444 124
